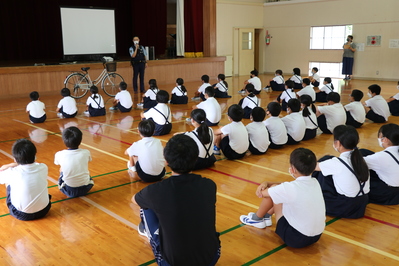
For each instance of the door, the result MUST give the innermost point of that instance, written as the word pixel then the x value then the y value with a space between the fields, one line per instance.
pixel 246 53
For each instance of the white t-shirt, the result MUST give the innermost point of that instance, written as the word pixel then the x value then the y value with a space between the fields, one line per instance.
pixel 308 90
pixel 238 136
pixel 279 79
pixel 95 103
pixel 256 82
pixel 74 166
pixel 28 183
pixel 303 204
pixel 327 88
pixel 396 96
pixel 201 146
pixel 379 105
pixel 297 79
pixel 287 95
pixel 335 115
pixel 250 102
pixel 212 109
pixel 385 166
pixel 202 88
pixel 221 87
pixel 36 108
pixel 151 93
pixel 124 98
pixel 178 91
pixel 345 182
pixel 149 151
pixel 356 109
pixel 156 116
pixel 258 135
pixel 277 130
pixel 68 105
pixel 295 125
pixel 308 121
pixel 316 77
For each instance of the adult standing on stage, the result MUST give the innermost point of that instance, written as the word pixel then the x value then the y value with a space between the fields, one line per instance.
pixel 139 63
pixel 347 61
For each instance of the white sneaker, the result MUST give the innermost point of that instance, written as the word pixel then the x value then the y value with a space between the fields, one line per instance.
pixel 113 108
pixel 247 219
pixel 188 120
pixel 141 230
pixel 140 105
pixel 195 98
pixel 86 113
pixel 60 115
pixel 268 221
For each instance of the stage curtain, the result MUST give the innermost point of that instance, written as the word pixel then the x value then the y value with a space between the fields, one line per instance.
pixel 149 19
pixel 193 28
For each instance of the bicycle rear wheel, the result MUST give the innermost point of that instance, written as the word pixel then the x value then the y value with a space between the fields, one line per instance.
pixel 110 83
pixel 77 84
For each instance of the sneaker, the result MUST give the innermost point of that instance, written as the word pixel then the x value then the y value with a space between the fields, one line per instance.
pixel 247 219
pixel 188 119
pixel 141 230
pixel 140 105
pixel 113 108
pixel 60 115
pixel 195 98
pixel 268 221
pixel 216 150
pixel 86 113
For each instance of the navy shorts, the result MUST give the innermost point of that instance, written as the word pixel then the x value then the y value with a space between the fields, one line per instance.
pixel 291 141
pixel 321 97
pixel 375 117
pixel 123 109
pixel 310 134
pixel 96 111
pixel 148 103
pixel 292 237
pixel 316 83
pixel 322 122
pixel 351 121
pixel 394 107
pixel 72 192
pixel 37 120
pixel 179 99
pixel 146 177
pixel 254 150
pixel 65 115
pixel 203 163
pixel 228 151
pixel 210 124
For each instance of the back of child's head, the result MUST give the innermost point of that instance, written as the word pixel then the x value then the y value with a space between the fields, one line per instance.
pixel 199 116
pixel 306 100
pixel 94 89
pixel 250 88
pixel 146 128
pixel 375 89
pixel 391 132
pixel 290 84
pixel 274 108
pixel 123 86
pixel 205 78
pixel 235 112
pixel 258 114
pixel 357 95
pixel 294 104
pixel 153 83
pixel 24 151
pixel 222 77
pixel 180 82
pixel 65 92
pixel 304 161
pixel 327 79
pixel 315 69
pixel 210 91
pixel 279 71
pixel 306 81
pixel 181 153
pixel 255 72
pixel 333 97
pixel 162 96
pixel 34 96
pixel 72 137
pixel 296 71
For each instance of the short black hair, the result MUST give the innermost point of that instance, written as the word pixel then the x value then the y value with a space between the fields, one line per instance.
pixel 235 112
pixel 205 78
pixel 357 95
pixel 255 72
pixel 34 95
pixel 72 137
pixel 315 69
pixel 375 88
pixel 306 81
pixel 290 84
pixel 304 160
pixel 94 89
pixel 162 96
pixel 274 108
pixel 294 104
pixel 391 132
pixel 146 128
pixel 258 114
pixel 24 151
pixel 297 71
pixel 65 92
pixel 210 91
pixel 334 97
pixel 123 85
pixel 327 79
pixel 181 153
pixel 250 88
pixel 279 71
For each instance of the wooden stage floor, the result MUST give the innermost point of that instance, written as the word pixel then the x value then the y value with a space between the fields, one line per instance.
pixel 100 228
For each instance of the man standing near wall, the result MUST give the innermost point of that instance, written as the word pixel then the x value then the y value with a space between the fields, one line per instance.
pixel 139 63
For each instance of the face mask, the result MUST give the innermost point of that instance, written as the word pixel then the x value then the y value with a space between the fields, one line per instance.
pixel 136 42
pixel 347 39
pixel 291 174
pixel 369 94
pixel 380 142
pixel 335 147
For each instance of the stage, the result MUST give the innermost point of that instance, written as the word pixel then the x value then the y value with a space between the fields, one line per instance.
pixel 19 81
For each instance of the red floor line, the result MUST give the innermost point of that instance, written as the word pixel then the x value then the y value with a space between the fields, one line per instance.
pixel 382 222
pixel 121 141
pixel 237 177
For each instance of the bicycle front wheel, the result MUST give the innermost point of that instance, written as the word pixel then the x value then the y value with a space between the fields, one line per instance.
pixel 77 84
pixel 110 83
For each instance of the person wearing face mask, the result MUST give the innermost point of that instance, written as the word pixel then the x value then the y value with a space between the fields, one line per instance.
pixel 255 81
pixel 294 122
pixel 345 179
pixel 377 109
pixel 331 115
pixel 348 57
pixel 139 63
pixel 298 205
pixel 384 167
pixel 393 103
pixel 258 143
pixel 277 83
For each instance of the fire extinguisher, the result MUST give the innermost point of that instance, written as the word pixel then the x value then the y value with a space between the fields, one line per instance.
pixel 267 38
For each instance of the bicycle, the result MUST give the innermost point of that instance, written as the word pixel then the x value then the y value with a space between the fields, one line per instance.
pixel 80 82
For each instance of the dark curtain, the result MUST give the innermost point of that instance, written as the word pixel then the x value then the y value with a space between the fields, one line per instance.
pixel 193 26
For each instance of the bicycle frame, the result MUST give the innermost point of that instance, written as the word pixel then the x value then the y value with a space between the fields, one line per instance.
pixel 97 80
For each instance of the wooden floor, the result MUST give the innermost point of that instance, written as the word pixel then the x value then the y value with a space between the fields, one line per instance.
pixel 100 228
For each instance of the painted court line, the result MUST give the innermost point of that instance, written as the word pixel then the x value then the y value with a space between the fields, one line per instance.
pixel 236 177
pixel 237 200
pixel 263 167
pixel 382 222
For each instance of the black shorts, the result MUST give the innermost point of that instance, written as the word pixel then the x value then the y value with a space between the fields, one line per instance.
pixel 228 151
pixel 254 150
pixel 310 134
pixel 292 237
pixel 123 109
pixel 65 115
pixel 37 120
pixel 351 121
pixel 210 124
pixel 146 177
pixel 394 107
pixel 203 163
pixel 375 117
pixel 179 99
pixel 72 192
pixel 321 97
pixel 277 87
pixel 291 141
pixel 96 111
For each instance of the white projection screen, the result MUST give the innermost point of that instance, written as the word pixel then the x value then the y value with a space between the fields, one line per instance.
pixel 88 31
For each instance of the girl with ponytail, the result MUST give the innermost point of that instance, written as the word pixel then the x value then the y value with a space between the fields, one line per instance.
pixel 309 115
pixel 344 180
pixel 221 88
pixel 179 93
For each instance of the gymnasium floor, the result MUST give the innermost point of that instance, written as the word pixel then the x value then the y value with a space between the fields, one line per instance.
pixel 101 228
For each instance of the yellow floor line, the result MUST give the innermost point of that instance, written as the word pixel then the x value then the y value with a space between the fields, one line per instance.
pixel 263 167
pixel 237 200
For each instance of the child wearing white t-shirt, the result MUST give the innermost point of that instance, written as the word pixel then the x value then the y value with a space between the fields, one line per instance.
pixel 309 115
pixel 149 98
pixel 66 107
pixel 250 101
pixel 315 78
pixel 36 109
pixel 257 132
pixel 74 180
pixel 355 113
pixel 393 103
pixel 221 88
pixel 297 79
pixel 95 103
pixel 160 114
pixel 275 126
pixel 179 93
pixel 298 205
pixel 123 100
pixel 287 94
pixel 321 94
pixel 307 89
pixel 277 83
pixel 254 80
pixel 294 122
pixel 211 107
pixel 200 94
pixel 377 107
pixel 331 115
pixel 146 155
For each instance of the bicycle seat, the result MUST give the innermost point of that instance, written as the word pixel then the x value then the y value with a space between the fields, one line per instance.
pixel 85 68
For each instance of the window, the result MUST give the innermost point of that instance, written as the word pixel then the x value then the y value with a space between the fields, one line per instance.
pixel 331 37
pixel 327 69
pixel 247 41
